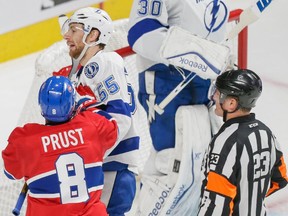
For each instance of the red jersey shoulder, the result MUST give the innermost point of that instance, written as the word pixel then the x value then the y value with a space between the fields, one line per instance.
pixel 90 115
pixel 63 71
pixel 25 131
pixel 98 118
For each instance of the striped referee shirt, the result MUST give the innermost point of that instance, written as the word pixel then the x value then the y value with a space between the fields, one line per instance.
pixel 242 166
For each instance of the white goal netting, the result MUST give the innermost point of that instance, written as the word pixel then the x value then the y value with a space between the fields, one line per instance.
pixel 53 59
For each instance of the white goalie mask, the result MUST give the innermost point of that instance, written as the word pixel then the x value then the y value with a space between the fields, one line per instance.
pixel 91 18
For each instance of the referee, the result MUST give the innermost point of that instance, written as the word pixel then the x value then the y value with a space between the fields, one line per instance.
pixel 244 162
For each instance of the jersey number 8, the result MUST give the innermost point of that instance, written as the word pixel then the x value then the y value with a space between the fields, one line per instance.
pixel 71 174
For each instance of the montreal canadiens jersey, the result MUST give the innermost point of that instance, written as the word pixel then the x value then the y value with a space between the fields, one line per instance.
pixel 104 78
pixel 62 164
pixel 149 22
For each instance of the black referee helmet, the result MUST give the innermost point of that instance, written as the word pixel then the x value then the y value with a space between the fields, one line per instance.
pixel 243 84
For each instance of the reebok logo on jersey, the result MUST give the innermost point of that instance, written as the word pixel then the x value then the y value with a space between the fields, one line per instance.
pixel 214 158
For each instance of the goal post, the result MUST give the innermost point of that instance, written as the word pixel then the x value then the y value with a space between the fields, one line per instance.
pixel 242 43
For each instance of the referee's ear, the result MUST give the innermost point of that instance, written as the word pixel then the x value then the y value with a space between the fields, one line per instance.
pixel 231 104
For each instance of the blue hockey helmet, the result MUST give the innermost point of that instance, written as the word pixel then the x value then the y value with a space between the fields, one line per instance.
pixel 57 99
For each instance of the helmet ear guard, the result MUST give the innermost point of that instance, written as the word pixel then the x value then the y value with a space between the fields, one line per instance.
pixel 243 84
pixel 56 99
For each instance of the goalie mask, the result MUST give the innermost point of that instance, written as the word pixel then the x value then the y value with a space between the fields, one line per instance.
pixel 57 99
pixel 243 84
pixel 91 18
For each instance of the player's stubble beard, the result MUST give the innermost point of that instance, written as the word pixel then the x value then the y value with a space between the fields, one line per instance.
pixel 76 51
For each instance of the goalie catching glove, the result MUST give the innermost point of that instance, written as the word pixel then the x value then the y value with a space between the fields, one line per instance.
pixel 205 58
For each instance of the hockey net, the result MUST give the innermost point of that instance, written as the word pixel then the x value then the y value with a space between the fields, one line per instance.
pixel 55 57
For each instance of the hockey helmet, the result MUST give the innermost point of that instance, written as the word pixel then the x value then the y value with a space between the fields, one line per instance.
pixel 243 84
pixel 92 18
pixel 57 99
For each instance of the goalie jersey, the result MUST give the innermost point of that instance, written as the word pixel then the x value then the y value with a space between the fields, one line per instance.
pixel 62 164
pixel 150 20
pixel 104 78
pixel 149 23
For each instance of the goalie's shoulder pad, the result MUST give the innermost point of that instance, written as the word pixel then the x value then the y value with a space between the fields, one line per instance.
pixel 204 57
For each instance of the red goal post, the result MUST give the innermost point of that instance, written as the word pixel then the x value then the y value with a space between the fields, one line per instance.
pixel 242 40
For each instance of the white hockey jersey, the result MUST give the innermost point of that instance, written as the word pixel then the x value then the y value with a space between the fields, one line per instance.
pixel 105 77
pixel 149 22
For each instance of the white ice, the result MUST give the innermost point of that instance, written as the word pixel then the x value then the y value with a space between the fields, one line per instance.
pixel 267 56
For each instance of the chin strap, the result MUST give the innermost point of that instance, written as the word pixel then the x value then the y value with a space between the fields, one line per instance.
pixel 76 61
pixel 224 115
pixel 225 112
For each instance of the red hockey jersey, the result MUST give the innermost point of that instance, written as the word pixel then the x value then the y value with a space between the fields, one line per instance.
pixel 62 164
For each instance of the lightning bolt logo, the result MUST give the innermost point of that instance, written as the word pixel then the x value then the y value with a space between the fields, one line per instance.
pixel 214 13
pixel 212 19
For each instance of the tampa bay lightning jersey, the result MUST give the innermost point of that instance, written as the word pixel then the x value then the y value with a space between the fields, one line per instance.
pixel 150 19
pixel 104 77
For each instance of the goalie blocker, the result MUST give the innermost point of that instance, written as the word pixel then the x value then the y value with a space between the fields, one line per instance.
pixel 175 189
pixel 205 58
